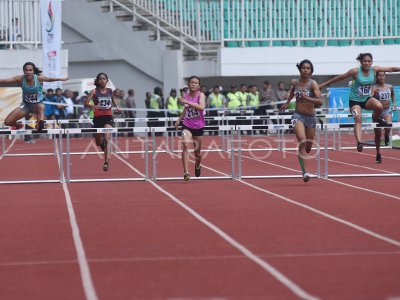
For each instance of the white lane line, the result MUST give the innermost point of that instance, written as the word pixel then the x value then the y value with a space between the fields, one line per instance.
pixel 360 166
pixel 364 189
pixel 86 277
pixel 297 290
pixel 196 258
pixel 348 223
pixel 326 215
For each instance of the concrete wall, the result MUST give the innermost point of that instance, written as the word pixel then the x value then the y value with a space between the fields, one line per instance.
pixel 13 60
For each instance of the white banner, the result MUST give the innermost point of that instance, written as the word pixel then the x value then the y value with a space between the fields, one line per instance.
pixel 50 11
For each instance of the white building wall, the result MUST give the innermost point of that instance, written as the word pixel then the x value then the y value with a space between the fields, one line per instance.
pixel 281 61
pixel 11 61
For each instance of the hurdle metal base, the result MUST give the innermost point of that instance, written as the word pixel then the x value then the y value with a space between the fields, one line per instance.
pixel 363 175
pixel 193 178
pixel 106 180
pixel 29 154
pixel 30 181
pixel 274 176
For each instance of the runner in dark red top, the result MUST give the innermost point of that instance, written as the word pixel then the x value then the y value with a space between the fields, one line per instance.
pixel 102 105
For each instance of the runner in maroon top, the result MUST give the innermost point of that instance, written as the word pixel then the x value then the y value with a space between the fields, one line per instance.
pixel 102 105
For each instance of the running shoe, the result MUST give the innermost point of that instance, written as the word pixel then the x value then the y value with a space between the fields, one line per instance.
pixel 40 125
pixel 378 159
pixel 197 170
pixel 306 177
pixel 19 126
pixel 382 122
pixel 186 177
pixel 106 166
pixel 360 146
pixel 386 140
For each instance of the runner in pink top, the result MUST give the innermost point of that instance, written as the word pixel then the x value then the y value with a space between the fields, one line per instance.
pixel 193 124
pixel 194 118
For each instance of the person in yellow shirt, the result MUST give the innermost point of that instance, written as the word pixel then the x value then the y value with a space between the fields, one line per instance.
pixel 215 101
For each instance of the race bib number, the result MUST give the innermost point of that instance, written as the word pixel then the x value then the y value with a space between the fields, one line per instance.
pixel 294 122
pixel 31 98
pixel 192 113
pixel 364 90
pixel 384 96
pixel 104 103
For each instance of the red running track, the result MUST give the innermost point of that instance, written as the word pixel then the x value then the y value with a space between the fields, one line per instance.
pixel 230 239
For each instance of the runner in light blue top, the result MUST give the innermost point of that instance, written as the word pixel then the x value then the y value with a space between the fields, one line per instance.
pixel 361 92
pixel 32 95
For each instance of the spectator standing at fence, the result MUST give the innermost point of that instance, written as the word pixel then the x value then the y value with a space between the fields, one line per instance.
pixel 69 109
pixel 361 92
pixel 384 93
pixel 308 96
pixel 15 32
pixel 131 104
pixel 172 104
pixel 193 123
pixel 281 94
pixel 157 109
pixel 205 91
pixel 243 95
pixel 50 108
pixel 215 101
pixel 62 104
pixel 32 95
pixel 233 100
pixel 267 97
pixel 103 101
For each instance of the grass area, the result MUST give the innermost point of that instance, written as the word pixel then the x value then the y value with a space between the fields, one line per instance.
pixel 396 143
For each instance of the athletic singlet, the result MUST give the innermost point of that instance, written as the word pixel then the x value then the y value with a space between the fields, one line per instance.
pixel 303 106
pixel 361 88
pixel 194 118
pixel 384 94
pixel 103 103
pixel 32 94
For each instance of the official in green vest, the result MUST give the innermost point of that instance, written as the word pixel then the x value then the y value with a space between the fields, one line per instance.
pixel 172 104
pixel 233 101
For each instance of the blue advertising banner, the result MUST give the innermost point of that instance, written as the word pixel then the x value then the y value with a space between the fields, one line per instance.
pixel 339 99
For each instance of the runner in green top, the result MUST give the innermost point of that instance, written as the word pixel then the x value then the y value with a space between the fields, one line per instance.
pixel 361 92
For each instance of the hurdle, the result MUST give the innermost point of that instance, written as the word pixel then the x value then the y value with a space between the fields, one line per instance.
pixel 58 144
pixel 281 147
pixel 68 153
pixel 326 127
pixel 230 150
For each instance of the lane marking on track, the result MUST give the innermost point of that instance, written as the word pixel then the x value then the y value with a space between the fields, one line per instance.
pixel 86 277
pixel 331 217
pixel 343 183
pixel 373 155
pixel 196 258
pixel 360 166
pixel 297 290
pixel 364 189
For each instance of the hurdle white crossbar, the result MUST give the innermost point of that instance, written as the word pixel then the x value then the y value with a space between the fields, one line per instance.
pixel 69 131
pixel 57 144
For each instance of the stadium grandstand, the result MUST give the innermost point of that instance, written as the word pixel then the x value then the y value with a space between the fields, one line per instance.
pixel 148 43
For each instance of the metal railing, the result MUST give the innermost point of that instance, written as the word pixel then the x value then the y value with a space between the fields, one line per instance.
pixel 20 23
pixel 297 22
pixel 201 25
